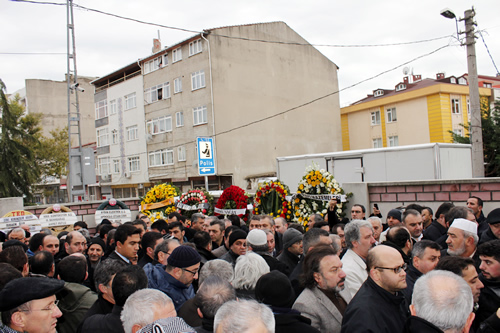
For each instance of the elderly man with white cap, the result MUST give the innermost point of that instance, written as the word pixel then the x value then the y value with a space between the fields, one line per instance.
pixel 462 240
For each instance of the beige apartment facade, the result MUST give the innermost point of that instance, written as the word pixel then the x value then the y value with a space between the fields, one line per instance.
pixel 50 99
pixel 258 100
pixel 415 112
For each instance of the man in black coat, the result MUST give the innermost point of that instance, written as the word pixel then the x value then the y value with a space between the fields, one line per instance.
pixel 489 300
pixel 438 227
pixel 127 240
pixel 493 231
pixel 379 305
pixel 275 290
pixel 426 255
pixel 292 248
pixel 125 283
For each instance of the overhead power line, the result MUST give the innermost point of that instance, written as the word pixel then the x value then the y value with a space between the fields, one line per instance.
pixel 234 37
pixel 488 50
pixel 32 53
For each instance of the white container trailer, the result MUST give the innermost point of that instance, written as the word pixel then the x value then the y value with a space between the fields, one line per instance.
pixel 415 162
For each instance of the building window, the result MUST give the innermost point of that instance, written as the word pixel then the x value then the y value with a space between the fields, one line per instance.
pixel 377 143
pixel 156 93
pixel 159 125
pixel 199 115
pixel 391 115
pixel 166 90
pixel 176 55
pixel 455 106
pixel 468 107
pixel 101 109
pixel 103 165
pixel 165 59
pixel 462 81
pixel 195 47
pixel 181 153
pixel 177 85
pixel 179 119
pixel 198 80
pixel 400 87
pixel 161 157
pixel 112 107
pixel 153 65
pixel 134 164
pixel 102 137
pixel 375 118
pixel 378 93
pixel 114 136
pixel 132 133
pixel 116 166
pixel 130 101
pixel 393 141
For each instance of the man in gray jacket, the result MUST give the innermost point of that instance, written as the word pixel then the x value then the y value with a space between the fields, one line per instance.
pixel 324 299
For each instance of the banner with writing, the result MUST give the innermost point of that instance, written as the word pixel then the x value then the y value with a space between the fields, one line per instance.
pixel 230 211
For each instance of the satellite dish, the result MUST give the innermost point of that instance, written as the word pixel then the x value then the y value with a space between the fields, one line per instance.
pixel 406 70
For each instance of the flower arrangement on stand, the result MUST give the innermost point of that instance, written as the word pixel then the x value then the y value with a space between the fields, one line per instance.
pixel 270 199
pixel 198 200
pixel 160 201
pixel 233 201
pixel 308 199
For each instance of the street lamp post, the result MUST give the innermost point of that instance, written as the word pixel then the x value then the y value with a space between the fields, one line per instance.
pixel 476 134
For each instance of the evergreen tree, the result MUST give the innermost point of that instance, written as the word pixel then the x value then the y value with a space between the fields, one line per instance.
pixel 18 167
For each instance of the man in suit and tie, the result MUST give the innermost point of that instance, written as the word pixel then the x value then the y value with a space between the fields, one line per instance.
pixel 324 299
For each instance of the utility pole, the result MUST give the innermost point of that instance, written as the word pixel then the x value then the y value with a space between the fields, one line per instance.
pixel 75 179
pixel 476 133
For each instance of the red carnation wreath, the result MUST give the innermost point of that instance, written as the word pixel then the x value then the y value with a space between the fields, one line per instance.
pixel 233 198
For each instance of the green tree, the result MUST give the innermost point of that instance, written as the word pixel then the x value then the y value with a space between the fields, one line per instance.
pixel 490 122
pixel 18 167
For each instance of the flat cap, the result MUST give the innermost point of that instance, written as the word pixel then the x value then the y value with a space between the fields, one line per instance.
pixel 22 290
pixel 494 216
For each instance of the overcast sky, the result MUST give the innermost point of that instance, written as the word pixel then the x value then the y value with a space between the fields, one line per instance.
pixel 105 43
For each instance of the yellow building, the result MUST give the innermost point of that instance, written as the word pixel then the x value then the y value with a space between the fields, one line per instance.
pixel 416 111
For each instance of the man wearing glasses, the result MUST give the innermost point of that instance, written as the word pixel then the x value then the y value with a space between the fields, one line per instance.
pixel 29 305
pixel 379 305
pixel 176 279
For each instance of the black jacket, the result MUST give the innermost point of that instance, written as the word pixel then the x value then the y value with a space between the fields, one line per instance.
pixel 205 256
pixel 486 236
pixel 101 306
pixel 295 278
pixel 114 256
pixel 145 260
pixel 291 321
pixel 483 225
pixel 489 302
pixel 109 323
pixel 419 325
pixel 289 259
pixel 373 309
pixel 434 231
pixel 274 264
pixel 412 274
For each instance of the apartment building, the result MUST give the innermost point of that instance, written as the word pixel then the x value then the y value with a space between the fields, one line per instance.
pixel 121 158
pixel 260 90
pixel 416 111
pixel 250 88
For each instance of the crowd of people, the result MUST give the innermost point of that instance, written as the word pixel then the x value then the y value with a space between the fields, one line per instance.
pixel 412 271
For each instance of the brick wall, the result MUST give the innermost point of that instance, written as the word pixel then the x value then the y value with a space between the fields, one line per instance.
pixel 433 193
